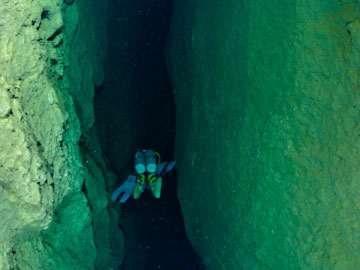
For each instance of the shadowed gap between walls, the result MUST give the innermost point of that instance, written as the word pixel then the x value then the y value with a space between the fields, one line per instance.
pixel 135 108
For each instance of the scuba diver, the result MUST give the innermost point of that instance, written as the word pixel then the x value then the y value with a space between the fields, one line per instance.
pixel 148 175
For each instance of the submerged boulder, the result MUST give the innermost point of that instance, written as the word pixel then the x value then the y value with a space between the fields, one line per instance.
pixel 267 141
pixel 51 217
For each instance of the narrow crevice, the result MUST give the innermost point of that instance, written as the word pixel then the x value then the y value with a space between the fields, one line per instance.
pixel 134 109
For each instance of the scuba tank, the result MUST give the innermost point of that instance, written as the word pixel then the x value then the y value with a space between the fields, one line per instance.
pixel 150 158
pixel 139 162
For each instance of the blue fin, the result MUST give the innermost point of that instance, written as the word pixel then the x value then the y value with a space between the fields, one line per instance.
pixel 165 167
pixel 123 193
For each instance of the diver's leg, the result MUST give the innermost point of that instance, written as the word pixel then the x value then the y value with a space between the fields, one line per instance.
pixel 156 189
pixel 137 191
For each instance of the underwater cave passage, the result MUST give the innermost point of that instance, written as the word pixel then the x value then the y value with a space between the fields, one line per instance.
pixel 135 109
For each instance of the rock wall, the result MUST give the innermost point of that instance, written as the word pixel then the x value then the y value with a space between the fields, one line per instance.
pixel 267 98
pixel 52 192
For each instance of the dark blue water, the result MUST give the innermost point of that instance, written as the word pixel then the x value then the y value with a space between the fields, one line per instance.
pixel 136 72
pixel 155 234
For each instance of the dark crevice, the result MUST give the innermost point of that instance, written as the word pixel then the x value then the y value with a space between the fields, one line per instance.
pixel 135 108
pixel 45 14
pixel 55 34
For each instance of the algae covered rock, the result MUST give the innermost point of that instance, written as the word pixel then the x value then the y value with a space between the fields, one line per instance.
pixel 267 101
pixel 46 221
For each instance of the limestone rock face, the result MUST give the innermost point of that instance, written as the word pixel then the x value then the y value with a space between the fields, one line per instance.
pixel 52 193
pixel 268 102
